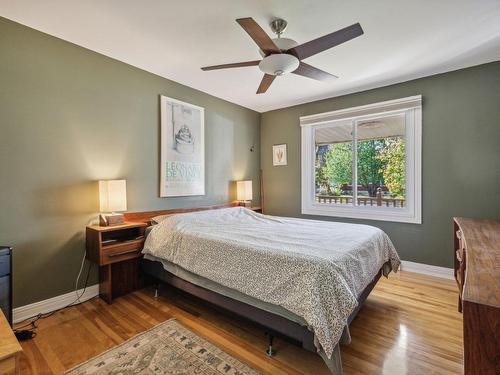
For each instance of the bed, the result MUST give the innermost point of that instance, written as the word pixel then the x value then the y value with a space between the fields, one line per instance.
pixel 303 279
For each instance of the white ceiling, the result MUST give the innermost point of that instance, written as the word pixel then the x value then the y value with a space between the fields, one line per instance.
pixel 403 40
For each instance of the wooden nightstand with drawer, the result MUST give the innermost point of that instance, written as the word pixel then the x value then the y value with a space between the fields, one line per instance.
pixel 117 252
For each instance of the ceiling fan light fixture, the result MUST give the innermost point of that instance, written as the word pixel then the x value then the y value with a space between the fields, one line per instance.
pixel 279 64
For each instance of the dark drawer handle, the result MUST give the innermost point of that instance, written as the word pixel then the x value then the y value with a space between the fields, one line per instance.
pixel 122 252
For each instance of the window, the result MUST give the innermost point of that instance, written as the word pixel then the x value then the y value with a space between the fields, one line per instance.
pixel 364 162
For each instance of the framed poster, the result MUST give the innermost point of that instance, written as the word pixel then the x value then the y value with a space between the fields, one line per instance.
pixel 182 137
pixel 279 155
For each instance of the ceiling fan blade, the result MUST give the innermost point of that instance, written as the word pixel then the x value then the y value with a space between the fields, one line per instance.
pixel 265 83
pixel 325 42
pixel 259 36
pixel 233 65
pixel 309 71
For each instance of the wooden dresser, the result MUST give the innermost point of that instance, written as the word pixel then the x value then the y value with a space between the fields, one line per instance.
pixel 477 271
pixel 10 350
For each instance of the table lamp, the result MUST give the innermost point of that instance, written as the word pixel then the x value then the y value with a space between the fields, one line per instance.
pixel 244 192
pixel 112 198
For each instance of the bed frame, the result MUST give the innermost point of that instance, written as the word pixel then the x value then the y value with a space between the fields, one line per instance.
pixel 145 217
pixel 275 325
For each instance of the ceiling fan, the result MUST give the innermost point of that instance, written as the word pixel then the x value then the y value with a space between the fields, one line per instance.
pixel 284 55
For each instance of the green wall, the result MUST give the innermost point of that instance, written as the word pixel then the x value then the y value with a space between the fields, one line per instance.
pixel 460 163
pixel 69 117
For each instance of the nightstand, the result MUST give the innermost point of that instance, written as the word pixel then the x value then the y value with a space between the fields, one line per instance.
pixel 117 251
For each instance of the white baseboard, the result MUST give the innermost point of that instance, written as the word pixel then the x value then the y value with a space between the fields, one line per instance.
pixel 427 269
pixel 55 303
pixel 58 302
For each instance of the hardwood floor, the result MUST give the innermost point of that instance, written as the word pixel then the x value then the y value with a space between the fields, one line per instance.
pixel 409 325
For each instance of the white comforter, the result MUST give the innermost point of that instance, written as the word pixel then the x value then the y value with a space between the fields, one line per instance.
pixel 315 269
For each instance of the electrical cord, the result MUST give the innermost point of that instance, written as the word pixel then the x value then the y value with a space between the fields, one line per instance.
pixel 22 333
pixel 25 334
pixel 78 277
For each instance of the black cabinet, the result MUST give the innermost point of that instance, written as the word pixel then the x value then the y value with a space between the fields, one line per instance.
pixel 6 282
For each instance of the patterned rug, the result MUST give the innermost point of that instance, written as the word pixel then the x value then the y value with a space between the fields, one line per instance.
pixel 168 348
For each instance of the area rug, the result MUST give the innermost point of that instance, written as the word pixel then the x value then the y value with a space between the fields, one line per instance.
pixel 168 348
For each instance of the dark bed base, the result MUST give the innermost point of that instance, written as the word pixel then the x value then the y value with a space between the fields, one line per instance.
pixel 275 324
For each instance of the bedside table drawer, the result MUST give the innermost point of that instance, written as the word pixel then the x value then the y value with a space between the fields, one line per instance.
pixel 122 251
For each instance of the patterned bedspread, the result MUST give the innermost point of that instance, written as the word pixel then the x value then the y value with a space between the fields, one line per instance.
pixel 315 269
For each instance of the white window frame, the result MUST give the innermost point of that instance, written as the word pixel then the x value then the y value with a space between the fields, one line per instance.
pixel 412 212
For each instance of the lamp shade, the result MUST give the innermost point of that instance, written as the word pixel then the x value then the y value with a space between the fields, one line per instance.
pixel 113 195
pixel 244 190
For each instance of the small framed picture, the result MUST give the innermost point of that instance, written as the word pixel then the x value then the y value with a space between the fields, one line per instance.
pixel 279 155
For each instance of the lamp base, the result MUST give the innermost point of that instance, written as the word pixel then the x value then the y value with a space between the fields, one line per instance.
pixel 246 204
pixel 107 220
